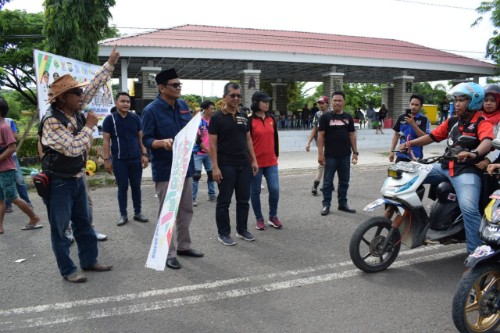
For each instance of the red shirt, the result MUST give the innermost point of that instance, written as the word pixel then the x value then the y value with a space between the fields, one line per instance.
pixel 6 138
pixel 265 140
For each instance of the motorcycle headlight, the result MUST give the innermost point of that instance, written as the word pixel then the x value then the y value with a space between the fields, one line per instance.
pixel 490 232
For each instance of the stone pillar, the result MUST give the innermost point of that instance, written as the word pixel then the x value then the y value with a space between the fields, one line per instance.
pixel 280 98
pixel 332 82
pixel 124 76
pixel 403 89
pixel 250 82
pixel 149 89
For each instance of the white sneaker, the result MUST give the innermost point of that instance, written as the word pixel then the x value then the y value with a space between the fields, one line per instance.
pixel 195 203
pixel 69 235
pixel 100 237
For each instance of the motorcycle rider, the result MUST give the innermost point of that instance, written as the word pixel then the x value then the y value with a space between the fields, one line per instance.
pixel 462 172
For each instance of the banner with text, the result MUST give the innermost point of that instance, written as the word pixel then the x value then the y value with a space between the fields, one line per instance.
pixel 48 67
pixel 182 152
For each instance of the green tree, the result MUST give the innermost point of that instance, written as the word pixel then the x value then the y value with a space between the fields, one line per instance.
pixel 493 45
pixel 74 27
pixel 19 35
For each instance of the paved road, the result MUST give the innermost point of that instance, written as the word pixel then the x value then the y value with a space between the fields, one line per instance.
pixel 299 279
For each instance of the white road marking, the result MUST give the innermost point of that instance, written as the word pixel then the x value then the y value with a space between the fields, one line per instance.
pixel 209 297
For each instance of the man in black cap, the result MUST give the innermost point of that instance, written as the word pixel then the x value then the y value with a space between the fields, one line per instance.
pixel 162 119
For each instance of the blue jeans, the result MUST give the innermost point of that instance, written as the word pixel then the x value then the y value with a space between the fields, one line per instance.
pixel 21 187
pixel 234 178
pixel 201 161
pixel 273 186
pixel 342 165
pixel 468 189
pixel 125 171
pixel 68 201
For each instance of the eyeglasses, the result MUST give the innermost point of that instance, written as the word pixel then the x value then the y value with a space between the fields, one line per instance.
pixel 234 96
pixel 174 85
pixel 77 92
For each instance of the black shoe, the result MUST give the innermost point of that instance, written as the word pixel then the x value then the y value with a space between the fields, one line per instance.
pixel 325 211
pixel 140 218
pixel 122 221
pixel 314 190
pixel 190 253
pixel 347 209
pixel 173 263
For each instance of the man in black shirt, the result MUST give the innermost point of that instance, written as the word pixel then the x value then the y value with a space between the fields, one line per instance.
pixel 234 163
pixel 336 138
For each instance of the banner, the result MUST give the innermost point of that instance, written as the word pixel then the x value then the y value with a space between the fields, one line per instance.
pixel 182 152
pixel 49 67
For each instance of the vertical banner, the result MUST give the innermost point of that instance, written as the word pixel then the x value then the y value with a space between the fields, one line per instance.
pixel 49 67
pixel 182 152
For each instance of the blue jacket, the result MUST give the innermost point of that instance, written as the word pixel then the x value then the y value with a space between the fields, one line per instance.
pixel 161 121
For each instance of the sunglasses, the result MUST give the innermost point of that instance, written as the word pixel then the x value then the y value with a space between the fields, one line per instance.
pixel 234 96
pixel 77 92
pixel 174 85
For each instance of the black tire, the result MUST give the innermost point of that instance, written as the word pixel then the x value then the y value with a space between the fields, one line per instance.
pixel 475 303
pixel 364 247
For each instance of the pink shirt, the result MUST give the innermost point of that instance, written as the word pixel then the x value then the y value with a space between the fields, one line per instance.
pixel 6 138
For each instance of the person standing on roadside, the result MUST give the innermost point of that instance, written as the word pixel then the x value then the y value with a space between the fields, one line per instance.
pixel 125 155
pixel 8 182
pixel 21 187
pixel 200 153
pixel 323 104
pixel 162 120
pixel 411 125
pixel 336 139
pixel 234 163
pixel 266 147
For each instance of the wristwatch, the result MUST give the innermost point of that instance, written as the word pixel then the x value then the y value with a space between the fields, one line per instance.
pixel 355 153
pixel 145 154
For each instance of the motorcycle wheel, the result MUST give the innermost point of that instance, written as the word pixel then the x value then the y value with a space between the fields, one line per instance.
pixel 366 241
pixel 476 301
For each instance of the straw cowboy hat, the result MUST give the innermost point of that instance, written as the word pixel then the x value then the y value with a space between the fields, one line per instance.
pixel 64 84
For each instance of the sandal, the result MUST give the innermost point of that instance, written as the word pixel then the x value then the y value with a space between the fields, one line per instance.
pixel 32 226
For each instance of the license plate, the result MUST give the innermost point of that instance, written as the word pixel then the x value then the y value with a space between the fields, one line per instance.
pixel 482 251
pixel 371 206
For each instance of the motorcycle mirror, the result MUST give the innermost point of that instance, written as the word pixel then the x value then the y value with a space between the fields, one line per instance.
pixel 468 142
pixel 496 143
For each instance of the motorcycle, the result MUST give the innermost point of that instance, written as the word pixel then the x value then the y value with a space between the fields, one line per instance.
pixel 376 242
pixel 476 303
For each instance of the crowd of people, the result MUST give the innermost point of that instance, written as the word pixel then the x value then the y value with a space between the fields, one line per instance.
pixel 236 149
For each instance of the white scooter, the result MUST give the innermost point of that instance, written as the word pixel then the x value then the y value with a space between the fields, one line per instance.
pixel 376 242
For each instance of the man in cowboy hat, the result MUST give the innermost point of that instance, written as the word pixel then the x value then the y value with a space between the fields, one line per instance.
pixel 65 140
pixel 162 119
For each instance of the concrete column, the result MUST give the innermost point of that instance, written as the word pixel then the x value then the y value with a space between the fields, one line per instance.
pixel 149 89
pixel 124 76
pixel 332 82
pixel 403 89
pixel 250 82
pixel 279 104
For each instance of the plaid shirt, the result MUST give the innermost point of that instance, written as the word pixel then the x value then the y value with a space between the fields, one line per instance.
pixel 59 137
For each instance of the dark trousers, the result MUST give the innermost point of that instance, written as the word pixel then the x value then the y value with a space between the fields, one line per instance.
pixel 128 171
pixel 342 165
pixel 235 178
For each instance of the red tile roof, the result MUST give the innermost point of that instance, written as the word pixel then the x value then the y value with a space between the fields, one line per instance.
pixel 293 42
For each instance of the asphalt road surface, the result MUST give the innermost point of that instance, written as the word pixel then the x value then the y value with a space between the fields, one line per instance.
pixel 298 279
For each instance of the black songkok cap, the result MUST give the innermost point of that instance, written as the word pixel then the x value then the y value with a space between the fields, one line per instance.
pixel 166 75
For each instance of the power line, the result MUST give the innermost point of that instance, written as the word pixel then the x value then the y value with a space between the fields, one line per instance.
pixel 435 4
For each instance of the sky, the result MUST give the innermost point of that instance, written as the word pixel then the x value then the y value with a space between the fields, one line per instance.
pixel 439 24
